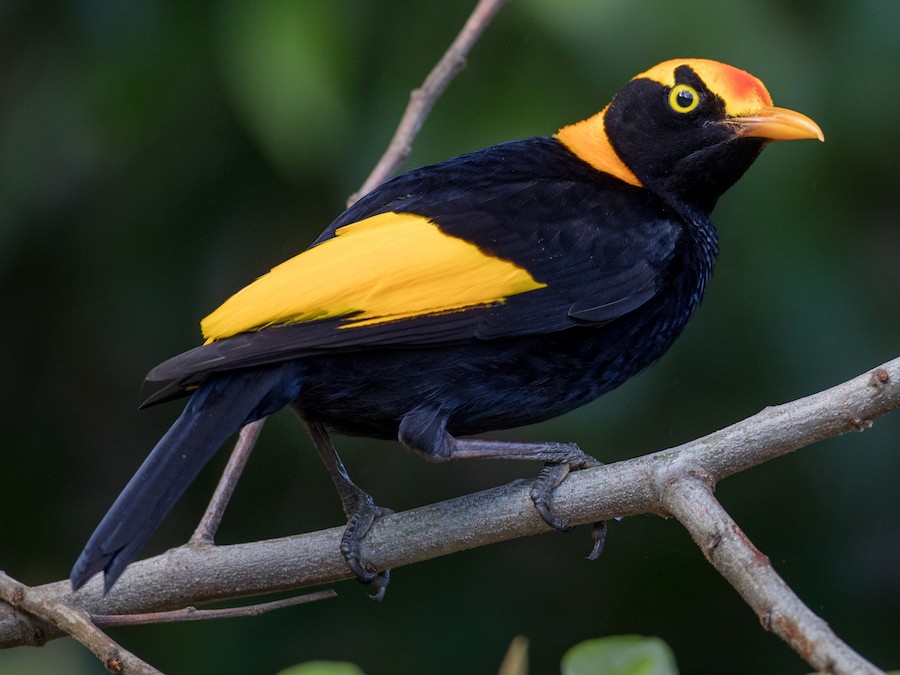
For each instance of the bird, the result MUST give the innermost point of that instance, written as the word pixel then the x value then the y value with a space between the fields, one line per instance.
pixel 492 290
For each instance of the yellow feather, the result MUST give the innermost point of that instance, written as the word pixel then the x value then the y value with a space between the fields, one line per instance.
pixel 588 141
pixel 388 267
pixel 742 93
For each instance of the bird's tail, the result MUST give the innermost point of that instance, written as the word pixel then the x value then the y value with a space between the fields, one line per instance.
pixel 215 411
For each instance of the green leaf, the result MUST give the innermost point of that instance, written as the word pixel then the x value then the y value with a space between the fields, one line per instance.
pixel 620 655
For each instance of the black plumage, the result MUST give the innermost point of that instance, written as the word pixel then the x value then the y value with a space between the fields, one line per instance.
pixel 621 260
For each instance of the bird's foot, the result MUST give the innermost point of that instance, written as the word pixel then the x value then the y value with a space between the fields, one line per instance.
pixel 358 525
pixel 571 458
pixel 560 459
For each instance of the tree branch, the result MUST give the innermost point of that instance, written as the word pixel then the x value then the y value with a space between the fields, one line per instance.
pixel 212 517
pixel 72 621
pixel 690 499
pixel 422 99
pixel 193 614
pixel 678 482
pixel 663 482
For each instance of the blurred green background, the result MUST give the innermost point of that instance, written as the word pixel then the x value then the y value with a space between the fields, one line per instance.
pixel 156 155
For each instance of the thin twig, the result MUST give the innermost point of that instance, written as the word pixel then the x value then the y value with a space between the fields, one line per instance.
pixel 212 518
pixel 74 622
pixel 421 100
pixel 194 614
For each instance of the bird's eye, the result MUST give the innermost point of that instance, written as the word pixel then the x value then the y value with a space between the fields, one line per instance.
pixel 683 98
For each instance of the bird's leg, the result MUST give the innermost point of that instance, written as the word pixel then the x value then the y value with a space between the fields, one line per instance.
pixel 559 460
pixel 359 507
pixel 424 430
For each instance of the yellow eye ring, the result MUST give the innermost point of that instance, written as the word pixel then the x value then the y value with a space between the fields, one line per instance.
pixel 683 99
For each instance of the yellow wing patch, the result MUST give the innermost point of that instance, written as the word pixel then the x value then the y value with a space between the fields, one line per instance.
pixel 388 267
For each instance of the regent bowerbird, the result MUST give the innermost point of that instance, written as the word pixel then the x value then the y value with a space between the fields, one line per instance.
pixel 492 290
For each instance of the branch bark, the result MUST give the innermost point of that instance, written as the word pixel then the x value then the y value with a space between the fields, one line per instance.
pixel 690 499
pixel 193 614
pixel 669 482
pixel 70 621
pixel 209 524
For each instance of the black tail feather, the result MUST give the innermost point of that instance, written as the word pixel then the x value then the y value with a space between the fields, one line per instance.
pixel 216 410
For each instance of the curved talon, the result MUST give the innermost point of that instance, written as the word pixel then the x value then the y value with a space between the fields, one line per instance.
pixel 550 477
pixel 559 524
pixel 358 526
pixel 380 583
pixel 548 480
pixel 363 569
pixel 598 534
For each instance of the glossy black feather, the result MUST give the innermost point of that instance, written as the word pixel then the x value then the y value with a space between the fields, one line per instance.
pixel 624 267
pixel 221 406
pixel 605 249
pixel 601 246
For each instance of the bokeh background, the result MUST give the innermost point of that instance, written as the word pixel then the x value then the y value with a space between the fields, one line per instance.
pixel 156 155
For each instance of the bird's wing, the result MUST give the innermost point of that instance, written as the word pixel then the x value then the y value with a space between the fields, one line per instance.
pixel 383 269
pixel 447 264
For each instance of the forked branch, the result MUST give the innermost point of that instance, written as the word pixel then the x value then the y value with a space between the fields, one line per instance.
pixel 664 482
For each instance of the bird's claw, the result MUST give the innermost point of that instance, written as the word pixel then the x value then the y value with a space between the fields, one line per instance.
pixel 598 534
pixel 551 477
pixel 542 492
pixel 358 526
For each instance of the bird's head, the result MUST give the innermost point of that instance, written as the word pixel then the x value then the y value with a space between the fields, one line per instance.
pixel 686 129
